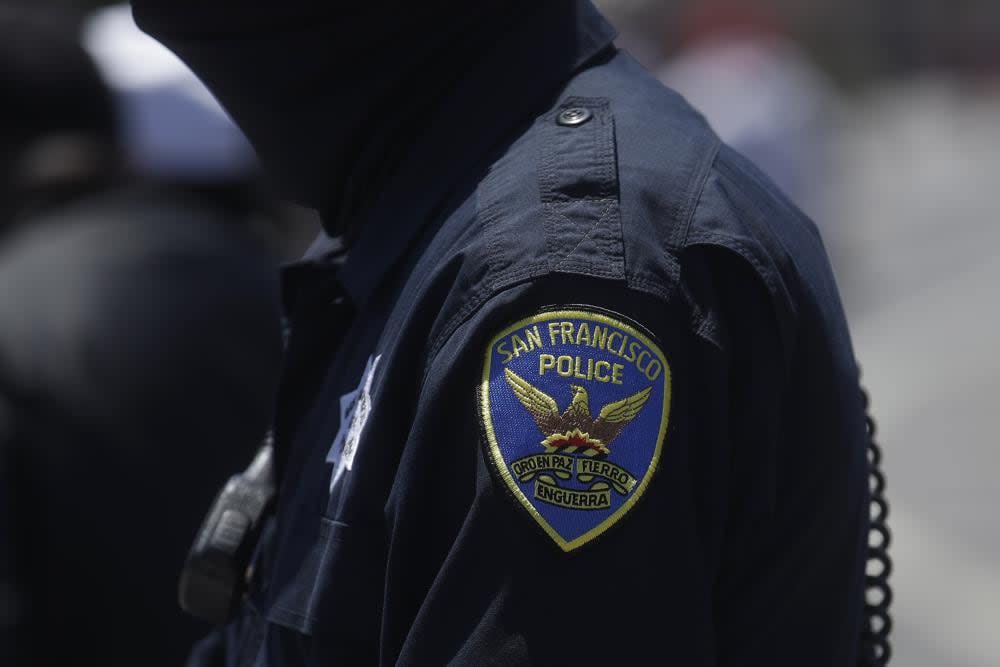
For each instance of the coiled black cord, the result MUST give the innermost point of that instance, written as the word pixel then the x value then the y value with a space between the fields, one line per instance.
pixel 877 624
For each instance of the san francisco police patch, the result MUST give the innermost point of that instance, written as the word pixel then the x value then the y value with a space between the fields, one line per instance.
pixel 575 407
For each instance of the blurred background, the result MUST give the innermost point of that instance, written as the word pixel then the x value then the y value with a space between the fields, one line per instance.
pixel 881 118
pixel 140 331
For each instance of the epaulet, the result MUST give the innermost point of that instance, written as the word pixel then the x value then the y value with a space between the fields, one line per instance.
pixel 555 203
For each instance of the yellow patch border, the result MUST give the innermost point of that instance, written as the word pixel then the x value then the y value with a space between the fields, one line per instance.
pixel 494 447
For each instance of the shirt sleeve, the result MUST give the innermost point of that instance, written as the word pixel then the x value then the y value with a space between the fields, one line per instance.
pixel 592 421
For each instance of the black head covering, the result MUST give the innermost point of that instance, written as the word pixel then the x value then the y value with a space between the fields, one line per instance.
pixel 48 83
pixel 329 93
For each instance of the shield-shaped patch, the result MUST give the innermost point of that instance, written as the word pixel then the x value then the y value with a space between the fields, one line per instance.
pixel 575 405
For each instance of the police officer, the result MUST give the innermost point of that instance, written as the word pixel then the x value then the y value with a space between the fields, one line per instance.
pixel 568 380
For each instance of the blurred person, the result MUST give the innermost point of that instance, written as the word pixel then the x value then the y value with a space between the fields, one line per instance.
pixel 57 121
pixel 139 342
pixel 737 64
pixel 568 379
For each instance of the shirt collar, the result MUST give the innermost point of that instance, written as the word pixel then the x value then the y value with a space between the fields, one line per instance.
pixel 520 77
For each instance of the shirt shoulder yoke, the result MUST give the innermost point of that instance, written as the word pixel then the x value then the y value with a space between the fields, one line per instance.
pixel 616 181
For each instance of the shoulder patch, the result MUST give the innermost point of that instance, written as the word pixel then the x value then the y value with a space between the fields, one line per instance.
pixel 575 405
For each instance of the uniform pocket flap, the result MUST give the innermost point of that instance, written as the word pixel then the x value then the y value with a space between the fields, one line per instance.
pixel 296 605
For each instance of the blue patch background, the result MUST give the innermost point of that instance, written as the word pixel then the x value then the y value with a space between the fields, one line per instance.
pixel 517 434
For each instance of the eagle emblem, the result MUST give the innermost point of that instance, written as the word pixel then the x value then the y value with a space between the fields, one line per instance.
pixel 575 430
pixel 574 405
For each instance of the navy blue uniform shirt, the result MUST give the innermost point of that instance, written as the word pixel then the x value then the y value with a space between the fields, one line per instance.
pixel 579 391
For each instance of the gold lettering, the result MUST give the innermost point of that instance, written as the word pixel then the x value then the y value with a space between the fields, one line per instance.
pixel 584 368
pixel 502 349
pixel 566 329
pixel 638 361
pixel 631 350
pixel 553 332
pixel 610 344
pixel 568 370
pixel 572 499
pixel 649 369
pixel 583 334
pixel 599 338
pixel 519 345
pixel 623 480
pixel 526 468
pixel 545 362
pixel 534 337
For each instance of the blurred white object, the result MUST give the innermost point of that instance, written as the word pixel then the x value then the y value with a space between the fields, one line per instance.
pixel 172 127
pixel 920 159
pixel 764 98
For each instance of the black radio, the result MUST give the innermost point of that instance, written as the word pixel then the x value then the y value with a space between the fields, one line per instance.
pixel 215 574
